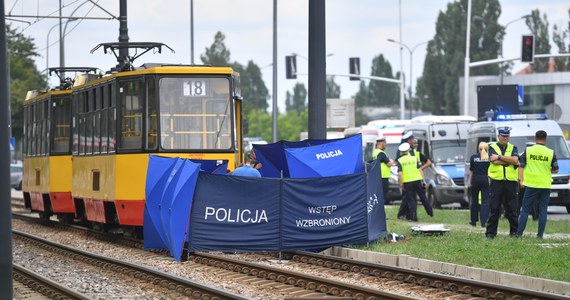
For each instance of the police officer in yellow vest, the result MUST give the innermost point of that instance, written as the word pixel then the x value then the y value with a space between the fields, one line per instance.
pixel 411 180
pixel 503 189
pixel 539 162
pixel 385 164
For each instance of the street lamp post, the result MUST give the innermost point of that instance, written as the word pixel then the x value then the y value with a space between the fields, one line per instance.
pixel 47 47
pixel 411 52
pixel 467 61
pixel 47 41
pixel 503 39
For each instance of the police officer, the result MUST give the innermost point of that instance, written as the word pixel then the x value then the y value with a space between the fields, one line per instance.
pixel 479 185
pixel 411 181
pixel 385 164
pixel 503 175
pixel 539 162
pixel 423 161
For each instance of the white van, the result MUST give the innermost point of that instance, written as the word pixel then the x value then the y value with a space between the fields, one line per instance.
pixel 369 136
pixel 523 129
pixel 442 139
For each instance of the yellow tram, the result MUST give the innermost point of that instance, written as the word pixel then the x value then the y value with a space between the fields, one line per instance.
pixel 113 123
pixel 46 180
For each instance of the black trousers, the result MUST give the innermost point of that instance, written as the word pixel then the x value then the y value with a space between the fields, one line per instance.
pixel 408 208
pixel 502 193
pixel 385 187
pixel 479 184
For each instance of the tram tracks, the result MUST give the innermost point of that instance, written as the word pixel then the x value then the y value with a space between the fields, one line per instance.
pixel 102 272
pixel 414 284
pixel 32 285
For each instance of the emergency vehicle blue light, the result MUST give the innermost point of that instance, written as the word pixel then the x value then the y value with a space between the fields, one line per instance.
pixel 521 117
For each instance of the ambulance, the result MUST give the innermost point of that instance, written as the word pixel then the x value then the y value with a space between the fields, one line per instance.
pixel 524 126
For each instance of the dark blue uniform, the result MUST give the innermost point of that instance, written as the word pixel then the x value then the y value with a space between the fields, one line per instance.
pixel 479 184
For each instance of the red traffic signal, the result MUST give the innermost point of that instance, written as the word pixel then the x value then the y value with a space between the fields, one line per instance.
pixel 527 53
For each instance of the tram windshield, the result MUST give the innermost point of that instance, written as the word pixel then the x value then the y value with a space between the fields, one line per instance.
pixel 195 113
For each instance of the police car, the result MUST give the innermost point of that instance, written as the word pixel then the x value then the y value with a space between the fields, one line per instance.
pixel 523 128
pixel 442 139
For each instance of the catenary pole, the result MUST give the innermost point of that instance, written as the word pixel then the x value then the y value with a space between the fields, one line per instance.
pixel 274 96
pixel 6 289
pixel 466 67
pixel 317 70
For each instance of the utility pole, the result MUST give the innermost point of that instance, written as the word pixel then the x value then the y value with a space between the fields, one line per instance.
pixel 6 288
pixel 317 71
pixel 123 35
pixel 275 108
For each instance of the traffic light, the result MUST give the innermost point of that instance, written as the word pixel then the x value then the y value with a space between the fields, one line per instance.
pixel 291 67
pixel 527 54
pixel 354 67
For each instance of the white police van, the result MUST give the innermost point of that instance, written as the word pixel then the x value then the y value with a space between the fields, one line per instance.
pixel 442 139
pixel 523 129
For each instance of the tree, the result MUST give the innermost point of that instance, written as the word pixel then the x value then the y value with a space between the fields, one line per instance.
pixel 333 89
pixel 361 100
pixel 254 91
pixel 382 93
pixel 292 124
pixel 296 102
pixel 259 124
pixel 253 87
pixel 559 37
pixel 444 63
pixel 217 55
pixel 539 27
pixel 24 76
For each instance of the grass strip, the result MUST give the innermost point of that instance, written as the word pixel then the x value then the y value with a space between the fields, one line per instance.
pixel 547 258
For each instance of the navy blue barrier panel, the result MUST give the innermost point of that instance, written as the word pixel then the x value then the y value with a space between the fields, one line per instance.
pixel 272 156
pixel 339 157
pixel 322 212
pixel 234 213
pixel 375 202
pixel 211 166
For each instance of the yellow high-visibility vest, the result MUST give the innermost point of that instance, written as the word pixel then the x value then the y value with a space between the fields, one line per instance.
pixel 503 172
pixel 410 171
pixel 537 173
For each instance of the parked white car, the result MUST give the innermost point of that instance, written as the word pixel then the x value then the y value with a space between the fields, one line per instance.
pixel 16 176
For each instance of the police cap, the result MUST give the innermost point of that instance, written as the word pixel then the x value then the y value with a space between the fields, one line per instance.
pixel 408 135
pixel 404 147
pixel 504 131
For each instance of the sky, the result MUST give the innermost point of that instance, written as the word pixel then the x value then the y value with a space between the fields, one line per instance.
pixel 355 28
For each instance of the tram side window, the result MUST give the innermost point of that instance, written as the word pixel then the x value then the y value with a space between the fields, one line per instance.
pixel 89 122
pixel 97 121
pixel 151 123
pixel 131 110
pixel 104 135
pixel 61 125
pixel 112 117
pixel 36 127
pixel 45 127
pixel 81 109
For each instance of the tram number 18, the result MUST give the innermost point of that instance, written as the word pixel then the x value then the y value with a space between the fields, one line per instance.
pixel 195 88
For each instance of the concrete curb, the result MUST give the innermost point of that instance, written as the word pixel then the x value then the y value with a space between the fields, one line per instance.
pixel 491 276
